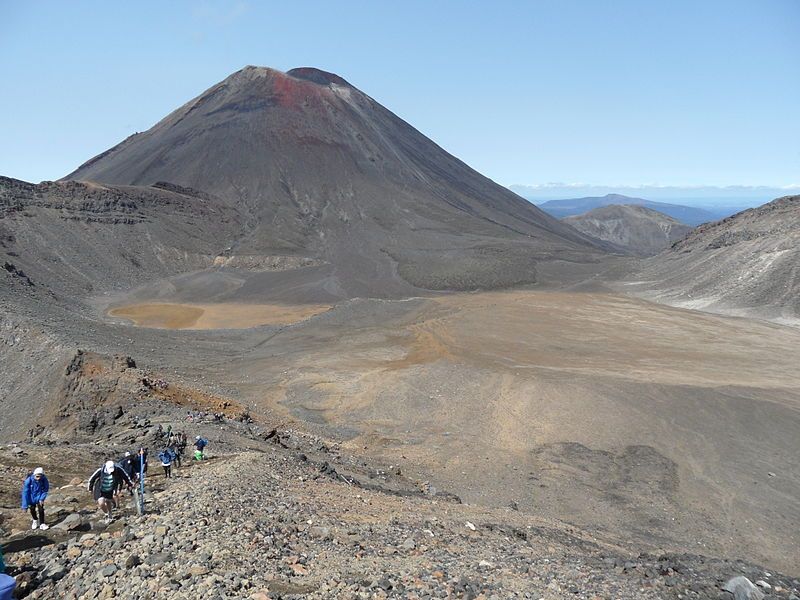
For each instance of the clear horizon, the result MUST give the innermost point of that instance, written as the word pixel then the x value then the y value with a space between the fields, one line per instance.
pixel 684 95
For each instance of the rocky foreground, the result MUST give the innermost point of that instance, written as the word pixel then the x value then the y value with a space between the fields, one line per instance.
pixel 276 523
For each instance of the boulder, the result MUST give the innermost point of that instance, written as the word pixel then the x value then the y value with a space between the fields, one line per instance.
pixel 159 558
pixel 321 533
pixel 55 571
pixel 133 561
pixel 72 521
pixel 409 544
pixel 109 571
pixel 741 588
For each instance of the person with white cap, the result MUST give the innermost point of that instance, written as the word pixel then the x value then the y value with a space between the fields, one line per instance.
pixel 34 493
pixel 104 483
pixel 128 463
pixel 199 447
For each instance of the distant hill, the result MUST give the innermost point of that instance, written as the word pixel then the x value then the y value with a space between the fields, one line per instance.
pixel 577 206
pixel 635 229
pixel 746 264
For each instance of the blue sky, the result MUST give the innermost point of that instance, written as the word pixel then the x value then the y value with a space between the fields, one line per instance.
pixel 605 93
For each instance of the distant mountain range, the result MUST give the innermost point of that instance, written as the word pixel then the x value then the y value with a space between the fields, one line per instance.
pixel 701 196
pixel 685 214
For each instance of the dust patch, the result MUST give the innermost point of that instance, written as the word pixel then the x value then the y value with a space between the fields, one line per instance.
pixel 431 342
pixel 162 315
pixel 635 471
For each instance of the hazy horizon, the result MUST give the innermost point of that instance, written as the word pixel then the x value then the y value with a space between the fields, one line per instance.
pixel 700 196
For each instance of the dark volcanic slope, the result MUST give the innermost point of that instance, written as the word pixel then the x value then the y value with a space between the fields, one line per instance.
pixel 319 169
pixel 635 229
pixel 577 206
pixel 749 263
pixel 72 239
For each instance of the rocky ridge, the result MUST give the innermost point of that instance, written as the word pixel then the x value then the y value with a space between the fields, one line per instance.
pixel 747 264
pixel 278 521
pixel 72 239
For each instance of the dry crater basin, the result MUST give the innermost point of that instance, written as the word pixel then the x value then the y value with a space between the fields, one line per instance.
pixel 674 428
pixel 166 315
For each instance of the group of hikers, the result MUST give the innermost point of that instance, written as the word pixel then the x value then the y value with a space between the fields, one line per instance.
pixel 106 484
pixel 109 480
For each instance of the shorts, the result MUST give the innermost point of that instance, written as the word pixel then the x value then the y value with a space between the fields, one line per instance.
pixel 109 495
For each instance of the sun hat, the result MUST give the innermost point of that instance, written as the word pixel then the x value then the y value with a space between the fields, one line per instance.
pixel 109 466
pixel 38 471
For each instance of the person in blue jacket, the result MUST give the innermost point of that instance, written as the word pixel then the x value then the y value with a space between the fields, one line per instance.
pixel 7 583
pixel 34 493
pixel 199 447
pixel 167 456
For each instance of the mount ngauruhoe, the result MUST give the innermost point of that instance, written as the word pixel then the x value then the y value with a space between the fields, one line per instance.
pixel 319 169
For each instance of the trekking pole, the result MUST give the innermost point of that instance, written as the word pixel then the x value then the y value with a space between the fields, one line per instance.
pixel 141 482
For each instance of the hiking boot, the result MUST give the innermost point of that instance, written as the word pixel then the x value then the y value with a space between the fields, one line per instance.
pixel 44 526
pixel 35 524
pixel 108 519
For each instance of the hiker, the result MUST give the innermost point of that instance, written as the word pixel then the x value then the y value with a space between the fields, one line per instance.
pixel 199 447
pixel 175 447
pixel 7 583
pixel 127 463
pixel 167 456
pixel 182 443
pixel 34 493
pixel 104 483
